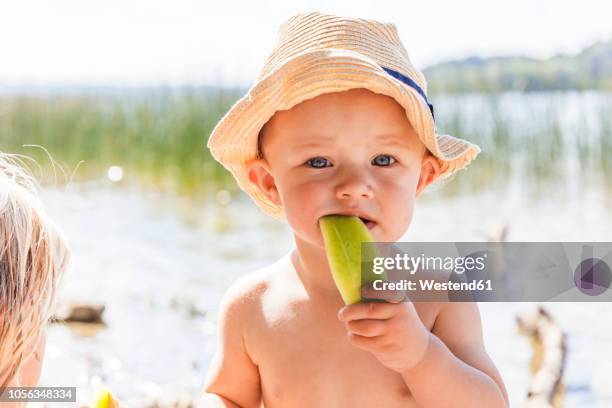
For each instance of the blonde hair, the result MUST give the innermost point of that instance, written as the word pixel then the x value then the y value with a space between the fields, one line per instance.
pixel 33 257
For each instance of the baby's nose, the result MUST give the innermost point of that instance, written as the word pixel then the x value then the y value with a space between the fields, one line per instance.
pixel 354 188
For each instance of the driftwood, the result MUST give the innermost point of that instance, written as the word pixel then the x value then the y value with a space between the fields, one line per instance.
pixel 548 360
pixel 499 236
pixel 79 312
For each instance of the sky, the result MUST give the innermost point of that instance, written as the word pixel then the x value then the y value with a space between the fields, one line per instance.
pixel 189 42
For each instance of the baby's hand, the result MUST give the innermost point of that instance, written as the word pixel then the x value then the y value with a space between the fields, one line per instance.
pixel 392 330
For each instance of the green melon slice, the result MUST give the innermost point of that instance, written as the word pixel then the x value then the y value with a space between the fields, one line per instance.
pixel 343 235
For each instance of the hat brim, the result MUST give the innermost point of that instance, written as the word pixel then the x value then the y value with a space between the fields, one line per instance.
pixel 233 141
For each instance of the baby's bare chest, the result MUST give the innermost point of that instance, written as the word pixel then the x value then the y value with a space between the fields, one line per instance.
pixel 305 359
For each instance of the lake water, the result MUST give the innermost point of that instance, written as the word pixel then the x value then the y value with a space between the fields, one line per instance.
pixel 160 265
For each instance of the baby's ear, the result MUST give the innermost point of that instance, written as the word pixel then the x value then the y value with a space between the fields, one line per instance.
pixel 259 173
pixel 430 171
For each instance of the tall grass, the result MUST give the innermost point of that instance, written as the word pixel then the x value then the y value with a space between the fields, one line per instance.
pixel 543 143
pixel 158 137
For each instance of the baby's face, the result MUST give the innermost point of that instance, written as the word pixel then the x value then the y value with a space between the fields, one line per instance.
pixel 351 152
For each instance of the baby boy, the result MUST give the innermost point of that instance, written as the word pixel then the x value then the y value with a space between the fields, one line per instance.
pixel 339 123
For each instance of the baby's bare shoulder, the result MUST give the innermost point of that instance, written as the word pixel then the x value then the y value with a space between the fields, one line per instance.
pixel 247 294
pixel 251 306
pixel 248 289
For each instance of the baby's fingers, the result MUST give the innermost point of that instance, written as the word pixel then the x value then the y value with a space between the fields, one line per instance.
pixel 392 296
pixel 370 310
pixel 367 343
pixel 367 327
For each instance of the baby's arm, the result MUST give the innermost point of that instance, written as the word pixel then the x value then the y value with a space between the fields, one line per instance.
pixel 465 370
pixel 233 377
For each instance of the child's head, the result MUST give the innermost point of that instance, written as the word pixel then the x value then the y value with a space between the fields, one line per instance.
pixel 349 81
pixel 33 256
pixel 347 152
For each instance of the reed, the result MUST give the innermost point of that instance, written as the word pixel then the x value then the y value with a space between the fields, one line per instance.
pixel 158 137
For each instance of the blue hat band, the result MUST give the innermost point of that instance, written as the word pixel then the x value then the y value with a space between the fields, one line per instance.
pixel 411 84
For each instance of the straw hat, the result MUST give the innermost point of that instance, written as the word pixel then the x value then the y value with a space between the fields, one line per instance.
pixel 319 53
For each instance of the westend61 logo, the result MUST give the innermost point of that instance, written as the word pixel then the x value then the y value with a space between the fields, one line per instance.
pixel 491 271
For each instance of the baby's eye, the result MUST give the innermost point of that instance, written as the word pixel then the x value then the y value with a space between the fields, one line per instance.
pixel 318 162
pixel 383 160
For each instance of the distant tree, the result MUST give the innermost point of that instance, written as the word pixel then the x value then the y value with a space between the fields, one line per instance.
pixel 589 69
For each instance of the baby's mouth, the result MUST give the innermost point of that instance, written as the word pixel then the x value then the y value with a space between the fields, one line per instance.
pixel 368 223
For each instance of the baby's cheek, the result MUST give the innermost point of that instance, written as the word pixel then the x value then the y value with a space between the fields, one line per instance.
pixel 301 210
pixel 300 199
pixel 401 206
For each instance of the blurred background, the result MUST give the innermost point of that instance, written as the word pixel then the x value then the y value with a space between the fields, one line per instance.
pixel 115 100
